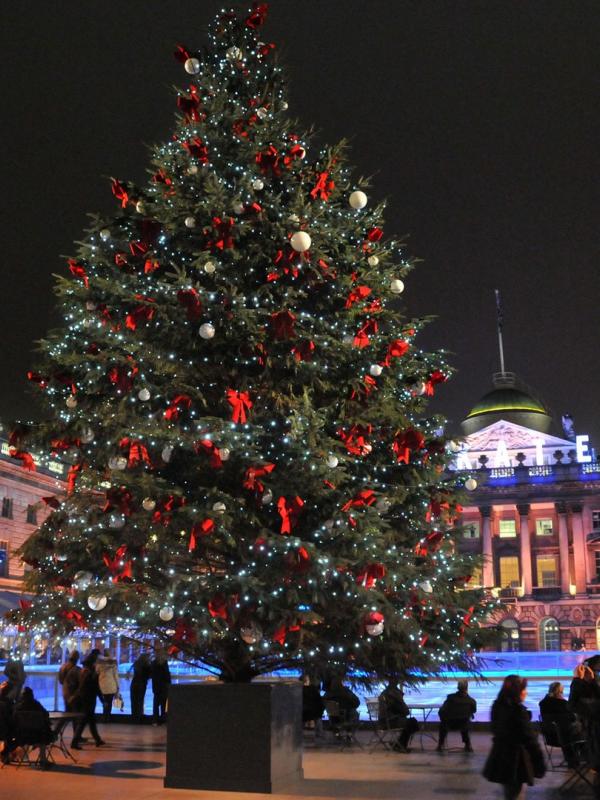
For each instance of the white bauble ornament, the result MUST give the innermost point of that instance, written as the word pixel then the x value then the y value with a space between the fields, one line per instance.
pixel 251 634
pixel 97 602
pixel 375 630
pixel 166 454
pixel 224 452
pixel 470 484
pixel 238 207
pixel 192 66
pixel 116 521
pixel 209 268
pixel 61 556
pixel 357 200
pixel 421 388
pixel 383 505
pixel 82 579
pixel 117 462
pixel 192 169
pixel 234 54
pixel 300 241
pixel 71 402
pixel 87 436
pixel 397 286
pixel 207 331
pixel 219 508
pixel 267 497
pixel 426 586
pixel 190 222
pixel 372 261
pixel 332 461
pixel 148 504
pixel 90 305
pixel 105 234
pixel 144 395
pixel 257 185
pixel 375 370
pixel 166 613
pixel 140 207
pixel 262 112
pixel 284 105
pixel 293 218
pixel 367 448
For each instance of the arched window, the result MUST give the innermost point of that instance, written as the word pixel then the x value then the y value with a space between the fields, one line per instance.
pixel 549 634
pixel 510 641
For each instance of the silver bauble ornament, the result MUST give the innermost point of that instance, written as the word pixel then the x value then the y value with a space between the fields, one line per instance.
pixel 90 305
pixel 140 207
pixel 300 241
pixel 383 505
pixel 234 54
pixel 190 222
pixel 116 521
pixel 332 461
pixel 470 484
pixel 262 112
pixel 148 504
pixel 97 602
pixel 267 497
pixel 372 261
pixel 224 453
pixel 238 207
pixel 357 200
pixel 209 268
pixel 219 508
pixel 397 286
pixel 375 370
pixel 166 613
pixel 376 629
pixel 144 395
pixel 257 185
pixel 426 587
pixel 105 234
pixel 192 66
pixel 207 331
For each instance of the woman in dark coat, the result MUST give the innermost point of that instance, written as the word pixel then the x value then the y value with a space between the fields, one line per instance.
pixel 139 682
pixel 516 757
pixel 85 702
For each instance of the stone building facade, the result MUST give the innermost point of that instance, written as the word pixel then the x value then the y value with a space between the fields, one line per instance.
pixel 534 515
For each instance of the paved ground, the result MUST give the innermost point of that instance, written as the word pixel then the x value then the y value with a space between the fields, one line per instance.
pixel 132 768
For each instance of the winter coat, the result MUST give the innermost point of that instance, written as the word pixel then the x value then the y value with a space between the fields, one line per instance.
pixel 68 677
pixel 392 708
pixel 160 675
pixel 312 703
pixel 6 720
pixel 516 756
pixel 345 698
pixel 15 672
pixel 458 706
pixel 584 696
pixel 108 675
pixel 141 672
pixel 87 691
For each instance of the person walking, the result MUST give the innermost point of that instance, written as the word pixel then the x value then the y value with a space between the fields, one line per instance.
pixel 68 677
pixel 85 702
pixel 108 682
pixel 516 757
pixel 139 683
pixel 455 714
pixel 161 680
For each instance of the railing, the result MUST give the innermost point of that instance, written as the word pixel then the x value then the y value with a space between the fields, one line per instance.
pixel 530 474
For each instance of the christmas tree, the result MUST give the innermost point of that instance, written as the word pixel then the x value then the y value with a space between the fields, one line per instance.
pixel 253 479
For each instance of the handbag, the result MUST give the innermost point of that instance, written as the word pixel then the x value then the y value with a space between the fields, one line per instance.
pixel 119 703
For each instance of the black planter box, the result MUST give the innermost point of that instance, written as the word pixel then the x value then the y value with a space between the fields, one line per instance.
pixel 235 737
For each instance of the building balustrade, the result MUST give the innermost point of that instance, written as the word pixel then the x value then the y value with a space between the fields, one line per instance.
pixel 533 474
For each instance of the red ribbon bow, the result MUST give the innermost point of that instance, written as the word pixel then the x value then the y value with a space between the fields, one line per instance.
pixel 122 377
pixel 139 313
pixel 429 544
pixel 184 637
pixel 222 232
pixel 361 500
pixel 375 234
pixel 369 575
pixel 240 403
pixel 358 293
pixel 189 299
pixel 119 191
pixel 178 404
pixel 118 498
pixel 435 378
pixel 217 607
pixel 190 104
pixel 138 453
pixel 252 475
pixel 355 439
pixel 211 450
pixel 72 476
pixel 269 160
pixel 258 15
pixel 281 633
pixel 396 349
pixel 197 149
pixel 289 511
pixel 199 529
pixel 78 272
pixel 35 377
pixel 25 458
pixel 117 566
pixel 361 339
pixel 406 442
pixel 282 325
pixel 303 351
pixel 365 389
pixel 75 617
pixel 323 187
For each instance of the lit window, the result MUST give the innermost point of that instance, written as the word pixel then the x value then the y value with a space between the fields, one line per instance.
pixel 543 527
pixel 546 571
pixel 476 581
pixel 549 634
pixel 7 507
pixel 596 521
pixel 508 528
pixel 471 530
pixel 509 572
pixel 510 641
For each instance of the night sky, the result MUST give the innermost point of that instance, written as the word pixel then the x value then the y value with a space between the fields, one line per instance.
pixel 478 120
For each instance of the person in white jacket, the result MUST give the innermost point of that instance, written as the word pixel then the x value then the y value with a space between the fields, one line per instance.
pixel 108 682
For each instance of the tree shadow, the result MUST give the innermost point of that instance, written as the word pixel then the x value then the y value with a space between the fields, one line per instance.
pixel 126 768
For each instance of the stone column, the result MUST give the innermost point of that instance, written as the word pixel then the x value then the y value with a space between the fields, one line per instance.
pixel 487 549
pixel 525 542
pixel 563 546
pixel 579 549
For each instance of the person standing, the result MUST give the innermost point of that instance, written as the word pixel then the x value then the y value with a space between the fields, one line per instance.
pixel 85 702
pixel 515 757
pixel 108 682
pixel 68 677
pixel 15 674
pixel 139 683
pixel 161 680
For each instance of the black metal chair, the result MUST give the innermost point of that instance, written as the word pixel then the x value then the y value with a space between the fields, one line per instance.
pixel 383 735
pixel 551 743
pixel 579 766
pixel 343 724
pixel 32 732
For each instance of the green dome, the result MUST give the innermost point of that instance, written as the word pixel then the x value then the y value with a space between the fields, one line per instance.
pixel 506 400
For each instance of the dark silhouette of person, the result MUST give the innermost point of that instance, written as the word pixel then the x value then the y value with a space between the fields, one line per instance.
pixel 85 702
pixel 394 713
pixel 139 684
pixel 161 680
pixel 455 714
